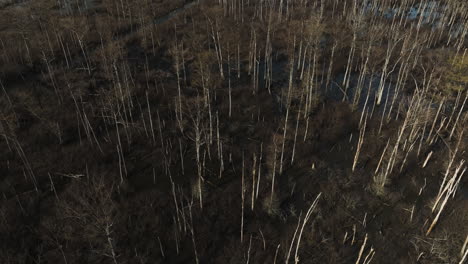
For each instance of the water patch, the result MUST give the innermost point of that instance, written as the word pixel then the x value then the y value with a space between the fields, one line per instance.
pixel 69 7
pixel 430 13
pixel 7 3
pixel 173 13
pixel 426 12
pixel 360 87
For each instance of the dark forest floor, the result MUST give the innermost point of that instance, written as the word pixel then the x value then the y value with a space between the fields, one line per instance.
pixel 171 132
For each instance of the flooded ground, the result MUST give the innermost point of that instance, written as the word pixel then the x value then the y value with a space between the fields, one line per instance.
pixel 69 7
pixel 430 13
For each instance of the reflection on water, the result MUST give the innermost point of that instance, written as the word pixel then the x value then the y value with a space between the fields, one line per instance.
pixel 429 13
pixel 359 88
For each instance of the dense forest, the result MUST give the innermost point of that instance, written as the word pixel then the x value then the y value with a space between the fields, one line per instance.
pixel 233 131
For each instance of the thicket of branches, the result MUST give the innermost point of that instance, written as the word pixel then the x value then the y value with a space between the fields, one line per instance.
pixel 234 131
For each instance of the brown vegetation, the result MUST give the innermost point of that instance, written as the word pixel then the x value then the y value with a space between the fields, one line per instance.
pixel 233 132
